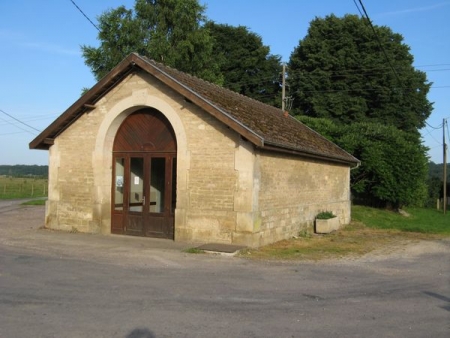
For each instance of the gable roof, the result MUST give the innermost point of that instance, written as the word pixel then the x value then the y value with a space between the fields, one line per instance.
pixel 265 126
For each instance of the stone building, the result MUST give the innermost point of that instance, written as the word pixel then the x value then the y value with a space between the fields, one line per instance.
pixel 152 151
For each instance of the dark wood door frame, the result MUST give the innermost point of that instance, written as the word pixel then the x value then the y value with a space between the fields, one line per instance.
pixel 144 176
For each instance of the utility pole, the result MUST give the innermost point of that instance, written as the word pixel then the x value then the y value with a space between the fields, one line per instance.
pixel 283 88
pixel 445 166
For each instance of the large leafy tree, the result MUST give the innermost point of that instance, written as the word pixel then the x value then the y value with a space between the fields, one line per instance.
pixel 339 71
pixel 168 31
pixel 394 169
pixel 246 63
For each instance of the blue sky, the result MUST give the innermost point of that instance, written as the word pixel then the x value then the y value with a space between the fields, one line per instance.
pixel 43 72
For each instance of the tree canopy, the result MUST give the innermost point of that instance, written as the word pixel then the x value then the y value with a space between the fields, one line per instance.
pixel 338 75
pixel 394 167
pixel 167 31
pixel 338 71
pixel 246 63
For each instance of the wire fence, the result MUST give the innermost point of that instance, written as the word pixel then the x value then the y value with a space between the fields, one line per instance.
pixel 14 187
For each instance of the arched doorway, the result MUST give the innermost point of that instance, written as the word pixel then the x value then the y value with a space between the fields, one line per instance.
pixel 144 176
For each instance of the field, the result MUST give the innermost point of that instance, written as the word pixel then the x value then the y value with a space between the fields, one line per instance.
pixel 14 187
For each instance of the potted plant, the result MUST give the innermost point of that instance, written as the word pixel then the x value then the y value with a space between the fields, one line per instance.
pixel 326 222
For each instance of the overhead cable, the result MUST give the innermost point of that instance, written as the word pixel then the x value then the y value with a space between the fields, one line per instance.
pixel 93 24
pixel 19 121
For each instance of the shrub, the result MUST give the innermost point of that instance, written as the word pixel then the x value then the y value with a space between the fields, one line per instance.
pixel 325 215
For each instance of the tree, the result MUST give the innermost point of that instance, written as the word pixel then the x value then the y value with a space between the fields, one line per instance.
pixel 339 71
pixel 246 63
pixel 394 168
pixel 168 31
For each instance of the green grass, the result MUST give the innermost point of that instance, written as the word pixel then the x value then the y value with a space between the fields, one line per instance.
pixel 427 221
pixel 35 202
pixel 371 229
pixel 14 187
pixel 194 251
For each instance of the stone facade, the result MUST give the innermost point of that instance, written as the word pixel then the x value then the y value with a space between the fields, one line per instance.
pixel 227 190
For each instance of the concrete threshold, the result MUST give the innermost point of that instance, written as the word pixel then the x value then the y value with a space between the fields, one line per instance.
pixel 220 248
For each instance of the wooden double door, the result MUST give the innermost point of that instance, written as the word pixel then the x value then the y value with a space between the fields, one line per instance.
pixel 144 176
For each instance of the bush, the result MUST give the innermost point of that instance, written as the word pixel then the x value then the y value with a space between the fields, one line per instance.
pixel 325 215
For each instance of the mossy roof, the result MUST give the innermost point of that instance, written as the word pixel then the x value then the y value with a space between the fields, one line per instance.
pixel 265 126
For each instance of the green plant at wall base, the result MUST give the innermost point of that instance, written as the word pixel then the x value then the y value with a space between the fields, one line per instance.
pixel 304 234
pixel 325 215
pixel 194 251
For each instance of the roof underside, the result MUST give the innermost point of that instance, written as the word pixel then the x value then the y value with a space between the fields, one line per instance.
pixel 265 126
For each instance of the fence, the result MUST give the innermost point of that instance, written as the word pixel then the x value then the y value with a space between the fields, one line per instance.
pixel 13 187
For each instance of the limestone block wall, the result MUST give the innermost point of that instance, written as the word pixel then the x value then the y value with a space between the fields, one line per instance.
pixel 211 179
pixel 294 190
pixel 71 179
pixel 226 191
pixel 81 162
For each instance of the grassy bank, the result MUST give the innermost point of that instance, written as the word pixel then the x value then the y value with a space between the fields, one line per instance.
pixel 426 221
pixel 370 229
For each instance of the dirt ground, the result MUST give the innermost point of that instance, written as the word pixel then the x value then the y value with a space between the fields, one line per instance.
pixel 22 224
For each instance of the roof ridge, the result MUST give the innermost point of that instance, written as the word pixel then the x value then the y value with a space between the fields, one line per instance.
pixel 243 105
pixel 247 98
pixel 259 122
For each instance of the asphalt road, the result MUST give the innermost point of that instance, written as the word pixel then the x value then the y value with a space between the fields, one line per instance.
pixel 55 284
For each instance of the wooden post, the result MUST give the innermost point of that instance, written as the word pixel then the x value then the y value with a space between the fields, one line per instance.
pixel 445 167
pixel 283 89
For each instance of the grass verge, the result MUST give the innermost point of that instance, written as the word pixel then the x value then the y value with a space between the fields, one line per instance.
pixel 428 221
pixel 35 202
pixel 371 229
pixel 194 251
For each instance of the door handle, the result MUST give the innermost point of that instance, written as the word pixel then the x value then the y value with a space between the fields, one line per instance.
pixel 143 200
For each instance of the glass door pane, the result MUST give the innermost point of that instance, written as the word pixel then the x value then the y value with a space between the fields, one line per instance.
pixel 157 184
pixel 118 183
pixel 136 198
pixel 174 184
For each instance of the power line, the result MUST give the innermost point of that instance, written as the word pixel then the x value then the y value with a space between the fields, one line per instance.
pixel 370 71
pixel 359 89
pixel 438 127
pixel 354 1
pixel 435 65
pixel 93 24
pixel 19 121
pixel 429 133
pixel 446 126
pixel 340 73
pixel 13 133
pixel 379 42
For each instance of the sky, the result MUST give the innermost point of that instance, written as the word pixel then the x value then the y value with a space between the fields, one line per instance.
pixel 43 72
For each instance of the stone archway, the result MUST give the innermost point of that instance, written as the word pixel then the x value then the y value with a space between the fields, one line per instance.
pixel 143 190
pixel 102 156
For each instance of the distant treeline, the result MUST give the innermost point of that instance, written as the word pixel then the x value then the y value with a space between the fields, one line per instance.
pixel 18 170
pixel 437 170
pixel 21 170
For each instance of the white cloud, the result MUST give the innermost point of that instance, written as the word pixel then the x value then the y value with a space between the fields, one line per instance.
pixel 9 35
pixel 50 48
pixel 19 40
pixel 416 9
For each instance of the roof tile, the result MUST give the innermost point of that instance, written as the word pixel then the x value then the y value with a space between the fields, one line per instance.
pixel 272 124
